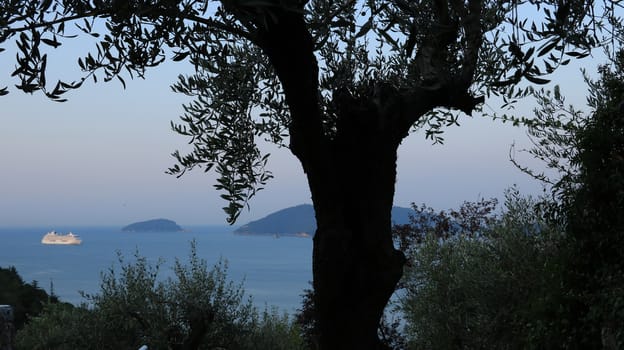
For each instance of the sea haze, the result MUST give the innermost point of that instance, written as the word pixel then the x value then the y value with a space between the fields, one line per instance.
pixel 275 271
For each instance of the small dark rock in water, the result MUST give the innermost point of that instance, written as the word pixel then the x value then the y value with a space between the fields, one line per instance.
pixel 156 225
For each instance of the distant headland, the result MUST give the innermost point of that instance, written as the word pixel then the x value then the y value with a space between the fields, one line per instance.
pixel 299 221
pixel 155 225
pixel 293 221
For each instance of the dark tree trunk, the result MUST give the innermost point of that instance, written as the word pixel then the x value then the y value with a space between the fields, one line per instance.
pixel 351 176
pixel 356 267
pixel 352 283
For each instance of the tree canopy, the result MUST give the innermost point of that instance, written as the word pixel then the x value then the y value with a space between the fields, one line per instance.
pixel 385 53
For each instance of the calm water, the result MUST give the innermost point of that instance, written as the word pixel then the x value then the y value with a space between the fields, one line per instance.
pixel 275 271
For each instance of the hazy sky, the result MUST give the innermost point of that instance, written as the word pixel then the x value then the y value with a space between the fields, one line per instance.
pixel 100 158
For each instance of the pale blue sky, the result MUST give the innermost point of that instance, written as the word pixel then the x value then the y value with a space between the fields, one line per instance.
pixel 100 158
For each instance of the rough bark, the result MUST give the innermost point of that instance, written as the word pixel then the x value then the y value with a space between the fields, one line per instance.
pixel 356 267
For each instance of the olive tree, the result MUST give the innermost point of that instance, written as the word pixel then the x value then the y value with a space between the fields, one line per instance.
pixel 340 83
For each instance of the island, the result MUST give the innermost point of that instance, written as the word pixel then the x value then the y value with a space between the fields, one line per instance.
pixel 155 225
pixel 299 221
pixel 294 221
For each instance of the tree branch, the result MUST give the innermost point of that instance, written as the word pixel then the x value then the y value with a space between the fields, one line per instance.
pixel 290 48
pixel 209 22
pixel 56 21
pixel 474 39
pixel 416 103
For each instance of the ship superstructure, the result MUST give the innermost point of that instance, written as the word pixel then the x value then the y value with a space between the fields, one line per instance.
pixel 56 238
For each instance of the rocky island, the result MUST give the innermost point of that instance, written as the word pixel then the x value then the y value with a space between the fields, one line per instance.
pixel 155 225
pixel 293 221
pixel 299 221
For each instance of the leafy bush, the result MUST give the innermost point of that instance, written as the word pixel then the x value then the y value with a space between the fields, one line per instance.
pixel 485 288
pixel 198 308
pixel 275 331
pixel 585 151
pixel 595 225
pixel 27 299
pixel 61 327
pixel 558 286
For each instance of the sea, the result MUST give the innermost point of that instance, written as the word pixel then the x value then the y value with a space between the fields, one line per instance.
pixel 274 271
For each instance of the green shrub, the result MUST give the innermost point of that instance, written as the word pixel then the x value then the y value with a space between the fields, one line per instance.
pixel 275 331
pixel 198 308
pixel 62 327
pixel 492 288
pixel 27 299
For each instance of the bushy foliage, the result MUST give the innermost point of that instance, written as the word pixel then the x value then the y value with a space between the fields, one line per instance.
pixel 588 201
pixel 489 288
pixel 62 327
pixel 197 308
pixel 545 275
pixel 275 331
pixel 27 299
pixel 595 224
pixel 307 319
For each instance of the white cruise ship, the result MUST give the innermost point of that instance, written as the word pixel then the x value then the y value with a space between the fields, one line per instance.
pixel 54 238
